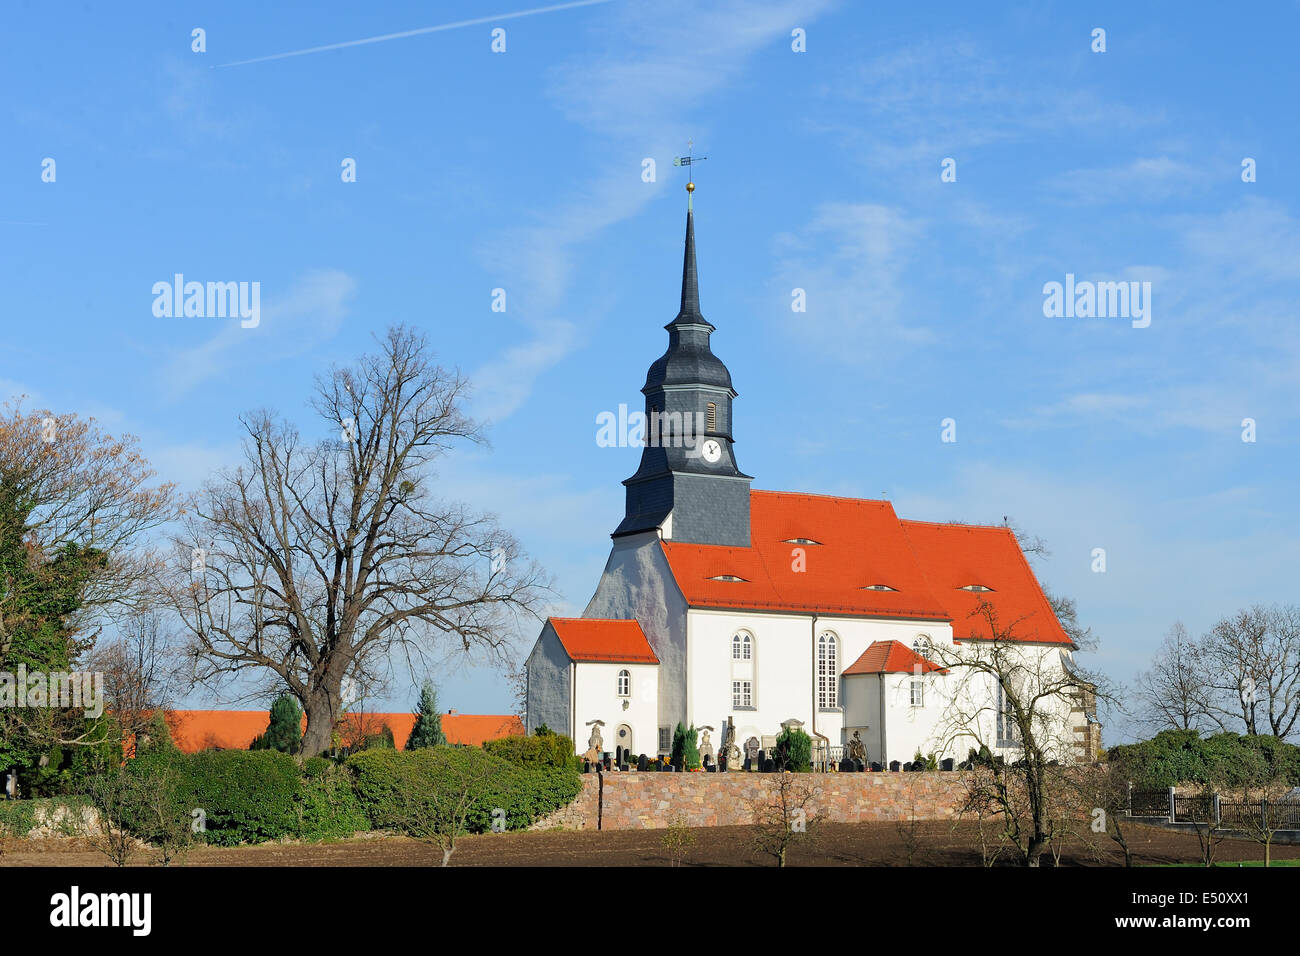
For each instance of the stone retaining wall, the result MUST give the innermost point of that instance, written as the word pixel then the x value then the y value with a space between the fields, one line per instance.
pixel 634 801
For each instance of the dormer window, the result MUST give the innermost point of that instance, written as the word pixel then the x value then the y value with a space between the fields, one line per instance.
pixel 974 587
pixel 879 587
pixel 728 577
pixel 800 541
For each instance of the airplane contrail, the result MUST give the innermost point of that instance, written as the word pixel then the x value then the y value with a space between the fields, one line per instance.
pixel 413 33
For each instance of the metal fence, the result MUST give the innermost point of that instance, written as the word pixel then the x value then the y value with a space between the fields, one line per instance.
pixel 1253 815
pixel 1264 814
pixel 1149 803
pixel 1197 808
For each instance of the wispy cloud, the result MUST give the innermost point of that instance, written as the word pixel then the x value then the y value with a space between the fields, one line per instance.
pixel 292 323
pixel 669 58
pixel 1145 179
pixel 855 299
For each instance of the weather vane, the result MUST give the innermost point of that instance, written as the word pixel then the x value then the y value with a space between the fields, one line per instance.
pixel 690 159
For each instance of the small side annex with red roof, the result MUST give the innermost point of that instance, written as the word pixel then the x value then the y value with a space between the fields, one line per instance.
pixel 596 680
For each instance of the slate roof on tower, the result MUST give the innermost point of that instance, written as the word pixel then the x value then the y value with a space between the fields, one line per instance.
pixel 861 545
pixel 688 360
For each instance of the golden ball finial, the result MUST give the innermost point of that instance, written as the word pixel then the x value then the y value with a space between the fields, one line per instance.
pixel 690 187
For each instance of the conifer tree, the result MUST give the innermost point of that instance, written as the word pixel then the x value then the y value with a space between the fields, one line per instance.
pixel 427 731
pixel 284 732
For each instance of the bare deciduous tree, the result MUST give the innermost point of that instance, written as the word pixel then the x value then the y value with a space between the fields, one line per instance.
pixel 1175 692
pixel 437 810
pixel 1012 693
pixel 140 668
pixel 316 560
pixel 1251 663
pixel 783 816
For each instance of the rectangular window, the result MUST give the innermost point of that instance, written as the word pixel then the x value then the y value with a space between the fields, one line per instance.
pixel 1008 732
pixel 918 692
pixel 711 418
pixel 742 693
pixel 665 739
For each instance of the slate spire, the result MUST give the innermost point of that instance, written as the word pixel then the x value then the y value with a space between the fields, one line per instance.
pixel 689 475
pixel 690 278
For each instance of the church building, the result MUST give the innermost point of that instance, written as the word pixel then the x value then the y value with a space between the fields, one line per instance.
pixel 720 602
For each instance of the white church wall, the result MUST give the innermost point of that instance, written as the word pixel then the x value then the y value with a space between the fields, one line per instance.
pixel 784 647
pixel 637 583
pixel 597 698
pixel 915 728
pixel 971 701
pixel 549 685
pixel 781 668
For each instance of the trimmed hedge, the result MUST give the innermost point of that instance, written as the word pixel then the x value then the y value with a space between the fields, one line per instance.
pixel 1175 757
pixel 245 796
pixel 388 780
pixel 551 750
pixel 327 803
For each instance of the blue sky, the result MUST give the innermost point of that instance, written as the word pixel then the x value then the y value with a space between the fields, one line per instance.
pixel 522 170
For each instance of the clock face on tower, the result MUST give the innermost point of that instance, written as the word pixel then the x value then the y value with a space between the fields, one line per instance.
pixel 711 451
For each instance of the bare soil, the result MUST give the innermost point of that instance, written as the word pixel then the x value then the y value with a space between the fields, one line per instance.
pixel 834 844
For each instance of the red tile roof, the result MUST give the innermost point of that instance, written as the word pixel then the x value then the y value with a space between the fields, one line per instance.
pixel 863 543
pixel 956 556
pixel 891 657
pixel 195 730
pixel 860 544
pixel 602 639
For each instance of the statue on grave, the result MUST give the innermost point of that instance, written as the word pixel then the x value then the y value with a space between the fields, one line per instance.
pixel 727 749
pixel 857 749
pixel 706 745
pixel 595 743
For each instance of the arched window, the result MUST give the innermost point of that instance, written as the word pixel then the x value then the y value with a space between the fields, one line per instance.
pixel 624 684
pixel 921 645
pixel 828 658
pixel 742 647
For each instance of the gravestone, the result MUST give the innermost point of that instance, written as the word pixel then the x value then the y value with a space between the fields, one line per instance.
pixel 751 753
pixel 894 766
pixel 848 766
pixel 946 764
pixel 642 763
pixel 876 767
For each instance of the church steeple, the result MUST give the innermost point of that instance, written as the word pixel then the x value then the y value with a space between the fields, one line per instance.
pixel 688 485
pixel 690 279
